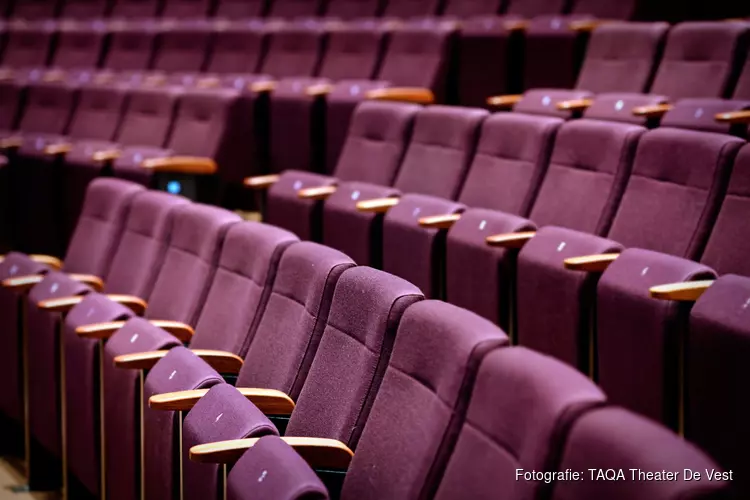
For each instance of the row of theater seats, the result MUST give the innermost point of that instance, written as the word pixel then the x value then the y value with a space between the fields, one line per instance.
pixel 383 393
pixel 59 129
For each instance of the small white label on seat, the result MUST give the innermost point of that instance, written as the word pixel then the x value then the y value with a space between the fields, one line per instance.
pixel 546 100
pixel 134 338
pixel 54 288
pixel 645 270
pixel 262 476
pixel 355 195
pixel 619 105
pixel 416 212
pixel 218 417
pixel 171 376
pixel 561 246
pixel 482 225
pixel 13 269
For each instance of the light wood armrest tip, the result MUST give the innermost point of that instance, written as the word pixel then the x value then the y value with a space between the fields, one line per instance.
pixel 319 90
pixel 48 260
pixel 504 101
pixel 404 94
pixel 99 330
pixel 688 291
pixel 261 87
pixel 591 263
pixel 655 111
pixel 316 193
pixel 107 155
pixel 574 105
pixel 734 117
pixel 261 181
pixel 510 240
pixel 378 205
pixel 439 221
pixel 190 165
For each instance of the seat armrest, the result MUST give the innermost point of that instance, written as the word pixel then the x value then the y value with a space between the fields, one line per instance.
pixel 415 95
pixel 261 181
pixel 734 117
pixel 65 304
pixel 320 453
pixel 99 331
pixel 263 87
pixel 106 155
pixel 591 263
pixel 23 284
pixel 574 105
pixel 504 101
pixel 208 82
pixel 439 221
pixel 57 149
pixel 94 282
pixel 316 193
pixel 587 25
pixel 48 260
pixel 182 331
pixel 190 165
pixel 319 90
pixel 516 25
pixel 11 143
pixel 652 112
pixel 688 291
pixel 139 360
pixel 222 362
pixel 377 205
pixel 510 240
pixel 269 401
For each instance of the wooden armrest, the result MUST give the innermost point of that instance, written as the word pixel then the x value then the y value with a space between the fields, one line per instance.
pixel 517 25
pixel 106 155
pixel 574 104
pixel 23 284
pixel 734 117
pixel 47 260
pixel 269 401
pixel 406 94
pixel 7 74
pixel 688 291
pixel 183 332
pixel 261 87
pixel 587 25
pixel 591 263
pixel 57 149
pixel 191 165
pixel 378 205
pixel 655 111
pixel 209 82
pixel 222 362
pixel 99 331
pixel 439 221
pixel 319 90
pixel 316 193
pixel 11 142
pixel 154 80
pixel 320 453
pixel 504 101
pixel 65 304
pixel 261 181
pixel 94 282
pixel 510 240
pixel 54 75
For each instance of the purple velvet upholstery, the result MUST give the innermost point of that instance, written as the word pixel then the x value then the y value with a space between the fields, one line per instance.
pixel 426 389
pixel 238 47
pixel 79 46
pixel 28 44
pixel 179 370
pixel 727 246
pixel 182 49
pixel 612 438
pixel 700 114
pixel 520 425
pixel 272 470
pixel 716 364
pixel 136 8
pixel 240 9
pixel 618 107
pixel 131 45
pixel 187 9
pixel 638 337
pixel 353 9
pixel 84 9
pixel 222 414
pixel 542 101
pixel 294 50
pixel 352 356
pixel 294 8
pixel 472 8
pixel 35 9
pixel 280 353
pixel 699 60
pixel 405 9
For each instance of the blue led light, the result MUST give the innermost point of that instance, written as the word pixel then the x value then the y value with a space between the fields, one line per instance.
pixel 174 187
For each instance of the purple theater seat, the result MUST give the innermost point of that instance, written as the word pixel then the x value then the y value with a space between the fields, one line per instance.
pixel 135 9
pixel 290 9
pixel 182 49
pixel 28 45
pixel 85 9
pixel 613 438
pixel 238 47
pixel 189 267
pixel 35 9
pixel 472 8
pixel 187 9
pixel 521 426
pixel 278 353
pixel 295 49
pixel 241 9
pixel 664 209
pixel 352 53
pixel 716 364
pixel 131 45
pixel 272 470
pixel 700 114
pixel 353 9
pixel 79 46
pixel 406 9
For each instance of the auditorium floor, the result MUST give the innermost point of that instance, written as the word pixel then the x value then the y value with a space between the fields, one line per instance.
pixel 11 476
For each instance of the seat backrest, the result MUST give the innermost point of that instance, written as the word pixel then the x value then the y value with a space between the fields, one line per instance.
pixel 588 171
pixel 182 48
pixel 136 9
pixel 437 353
pixel 247 268
pixel 622 57
pixel 411 8
pixel 675 190
pixel 240 9
pixel 79 46
pixel 27 45
pixel 238 48
pixel 510 162
pixel 48 108
pixel 148 118
pixel 716 363
pixel 532 8
pixel 378 137
pixel 606 9
pixel 352 355
pixel 440 151
pixel 290 9
pixel 742 89
pixel 520 425
pixel 294 318
pixel 353 9
pixel 187 9
pixel 472 8
pixel 190 262
pixel 35 9
pixel 418 57
pixel 294 51
pixel 352 53
pixel 84 9
pixel 613 438
pixel 700 60
pixel 140 251
pixel 728 245
pixel 130 47
pixel 99 112
pixel 12 96
pixel 99 228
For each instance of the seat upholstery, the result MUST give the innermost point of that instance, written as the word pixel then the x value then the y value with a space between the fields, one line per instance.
pixel 238 47
pixel 131 45
pixel 182 49
pixel 84 9
pixel 135 9
pixel 471 8
pixel 28 45
pixel 240 9
pixel 353 9
pixel 411 8
pixel 35 9
pixel 80 46
pixel 187 9
pixel 295 8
